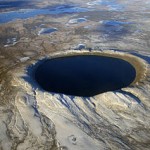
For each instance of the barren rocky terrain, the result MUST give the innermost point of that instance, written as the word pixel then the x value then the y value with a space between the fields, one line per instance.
pixel 33 119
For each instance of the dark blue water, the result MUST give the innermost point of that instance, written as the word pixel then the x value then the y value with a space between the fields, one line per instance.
pixel 84 75
pixel 13 4
pixel 28 13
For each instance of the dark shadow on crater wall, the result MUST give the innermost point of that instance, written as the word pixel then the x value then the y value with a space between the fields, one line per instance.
pixel 29 77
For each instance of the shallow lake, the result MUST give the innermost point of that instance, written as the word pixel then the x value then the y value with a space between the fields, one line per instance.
pixel 28 13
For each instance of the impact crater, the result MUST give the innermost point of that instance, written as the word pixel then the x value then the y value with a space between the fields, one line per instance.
pixel 86 74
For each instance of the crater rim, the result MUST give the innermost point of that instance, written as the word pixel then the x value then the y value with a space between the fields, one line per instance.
pixel 137 63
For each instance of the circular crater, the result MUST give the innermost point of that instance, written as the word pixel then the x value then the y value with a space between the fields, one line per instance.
pixel 84 75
